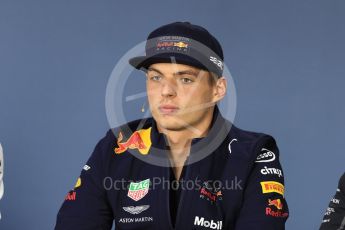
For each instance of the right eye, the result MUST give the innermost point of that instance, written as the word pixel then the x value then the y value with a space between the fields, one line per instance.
pixel 155 78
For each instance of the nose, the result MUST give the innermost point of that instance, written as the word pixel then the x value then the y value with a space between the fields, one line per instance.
pixel 168 89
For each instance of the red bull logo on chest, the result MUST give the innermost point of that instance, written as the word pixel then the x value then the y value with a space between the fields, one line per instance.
pixel 140 140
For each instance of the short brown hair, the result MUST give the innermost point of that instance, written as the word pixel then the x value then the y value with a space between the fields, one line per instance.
pixel 212 79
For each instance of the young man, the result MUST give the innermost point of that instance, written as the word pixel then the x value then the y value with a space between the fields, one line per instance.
pixel 334 218
pixel 224 177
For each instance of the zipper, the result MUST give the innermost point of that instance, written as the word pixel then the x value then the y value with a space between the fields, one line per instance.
pixel 179 209
pixel 167 198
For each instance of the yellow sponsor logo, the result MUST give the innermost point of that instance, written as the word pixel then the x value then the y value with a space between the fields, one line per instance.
pixel 78 184
pixel 272 186
pixel 181 44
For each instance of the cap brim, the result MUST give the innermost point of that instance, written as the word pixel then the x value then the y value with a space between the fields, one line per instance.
pixel 143 62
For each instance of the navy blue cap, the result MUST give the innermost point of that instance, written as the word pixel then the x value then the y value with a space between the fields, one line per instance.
pixel 182 43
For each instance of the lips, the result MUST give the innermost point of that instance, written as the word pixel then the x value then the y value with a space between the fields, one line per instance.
pixel 168 109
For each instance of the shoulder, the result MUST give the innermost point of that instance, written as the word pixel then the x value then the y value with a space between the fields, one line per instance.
pixel 126 129
pixel 254 144
pixel 132 126
pixel 107 145
pixel 342 183
pixel 250 136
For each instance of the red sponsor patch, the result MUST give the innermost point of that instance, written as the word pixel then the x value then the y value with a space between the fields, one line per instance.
pixel 210 193
pixel 71 196
pixel 270 212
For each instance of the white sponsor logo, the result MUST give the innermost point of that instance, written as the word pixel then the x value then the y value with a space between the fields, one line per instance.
pixel 86 167
pixel 200 221
pixel 136 220
pixel 266 171
pixel 335 201
pixel 231 143
pixel 329 211
pixel 338 190
pixel 136 209
pixel 326 220
pixel 265 156
pixel 217 62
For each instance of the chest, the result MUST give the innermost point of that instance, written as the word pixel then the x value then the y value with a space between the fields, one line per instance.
pixel 208 198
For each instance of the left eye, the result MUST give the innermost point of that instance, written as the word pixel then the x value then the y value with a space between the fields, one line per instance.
pixel 186 80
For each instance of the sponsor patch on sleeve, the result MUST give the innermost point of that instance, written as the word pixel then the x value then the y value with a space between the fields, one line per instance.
pixel 265 155
pixel 272 186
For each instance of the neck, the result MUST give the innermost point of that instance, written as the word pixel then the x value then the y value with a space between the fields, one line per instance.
pixel 180 140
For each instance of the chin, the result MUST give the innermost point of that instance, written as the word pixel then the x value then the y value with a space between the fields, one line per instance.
pixel 169 124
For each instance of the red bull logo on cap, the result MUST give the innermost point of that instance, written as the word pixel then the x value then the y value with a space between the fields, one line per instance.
pixel 181 44
pixel 139 140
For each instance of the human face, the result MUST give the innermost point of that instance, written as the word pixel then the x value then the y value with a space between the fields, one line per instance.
pixel 180 96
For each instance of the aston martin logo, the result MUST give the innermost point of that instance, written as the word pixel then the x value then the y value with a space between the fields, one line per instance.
pixel 136 209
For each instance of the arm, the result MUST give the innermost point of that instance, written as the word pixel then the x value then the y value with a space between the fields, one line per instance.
pixel 334 218
pixel 264 206
pixel 86 207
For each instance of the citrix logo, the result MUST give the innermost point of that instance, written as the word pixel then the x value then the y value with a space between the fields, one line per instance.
pixel 200 221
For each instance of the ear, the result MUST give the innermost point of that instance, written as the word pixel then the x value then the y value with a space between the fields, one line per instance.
pixel 219 91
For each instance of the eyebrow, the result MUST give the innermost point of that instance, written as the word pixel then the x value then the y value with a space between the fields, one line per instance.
pixel 189 72
pixel 153 69
pixel 182 72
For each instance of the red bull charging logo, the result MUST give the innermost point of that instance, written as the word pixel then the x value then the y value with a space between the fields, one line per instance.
pixel 277 203
pixel 139 140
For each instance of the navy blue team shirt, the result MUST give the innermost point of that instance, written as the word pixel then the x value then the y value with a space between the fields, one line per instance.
pixel 238 186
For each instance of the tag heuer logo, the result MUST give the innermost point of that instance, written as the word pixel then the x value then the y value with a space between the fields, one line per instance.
pixel 136 209
pixel 138 190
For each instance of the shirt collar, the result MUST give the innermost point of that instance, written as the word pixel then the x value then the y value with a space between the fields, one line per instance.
pixel 159 139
